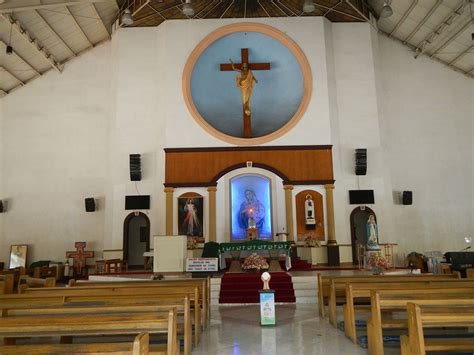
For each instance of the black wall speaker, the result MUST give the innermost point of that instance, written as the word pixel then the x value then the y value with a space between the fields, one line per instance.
pixel 135 167
pixel 361 197
pixel 361 161
pixel 407 197
pixel 90 204
pixel 1 207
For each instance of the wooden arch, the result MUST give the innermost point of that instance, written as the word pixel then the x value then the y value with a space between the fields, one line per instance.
pixel 126 224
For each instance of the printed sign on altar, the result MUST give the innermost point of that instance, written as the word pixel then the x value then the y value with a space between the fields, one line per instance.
pixel 202 264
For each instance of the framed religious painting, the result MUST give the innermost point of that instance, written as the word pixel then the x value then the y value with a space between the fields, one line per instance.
pixel 190 216
pixel 250 197
pixel 18 256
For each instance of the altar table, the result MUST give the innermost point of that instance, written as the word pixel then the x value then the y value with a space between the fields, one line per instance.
pixel 255 246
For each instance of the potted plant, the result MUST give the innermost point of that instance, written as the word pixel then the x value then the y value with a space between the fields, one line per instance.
pixel 311 242
pixel 255 263
pixel 378 264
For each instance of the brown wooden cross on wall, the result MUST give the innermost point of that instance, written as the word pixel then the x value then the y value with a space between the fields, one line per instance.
pixel 79 256
pixel 244 53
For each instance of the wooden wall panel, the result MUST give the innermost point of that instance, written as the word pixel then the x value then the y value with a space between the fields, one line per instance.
pixel 296 165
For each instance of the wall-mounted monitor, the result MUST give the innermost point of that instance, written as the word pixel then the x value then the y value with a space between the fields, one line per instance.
pixel 361 197
pixel 137 202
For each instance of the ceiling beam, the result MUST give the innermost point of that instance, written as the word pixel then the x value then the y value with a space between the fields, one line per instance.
pixel 461 55
pixel 342 12
pixel 29 5
pixel 408 44
pixel 100 20
pixel 12 75
pixel 32 41
pixel 22 60
pixel 447 21
pixel 79 27
pixel 423 21
pixel 332 8
pixel 55 34
pixel 263 8
pixel 453 37
pixel 290 10
pixel 404 17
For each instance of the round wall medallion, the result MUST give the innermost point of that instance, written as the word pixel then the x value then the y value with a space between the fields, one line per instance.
pixel 251 103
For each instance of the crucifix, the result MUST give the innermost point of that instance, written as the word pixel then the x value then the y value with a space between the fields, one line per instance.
pixel 79 256
pixel 245 82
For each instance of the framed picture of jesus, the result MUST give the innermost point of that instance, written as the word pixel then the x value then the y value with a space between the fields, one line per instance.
pixel 18 255
pixel 190 215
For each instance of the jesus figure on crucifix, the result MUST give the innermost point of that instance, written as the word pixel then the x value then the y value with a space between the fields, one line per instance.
pixel 245 82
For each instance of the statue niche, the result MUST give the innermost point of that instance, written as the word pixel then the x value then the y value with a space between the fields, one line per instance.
pixel 309 215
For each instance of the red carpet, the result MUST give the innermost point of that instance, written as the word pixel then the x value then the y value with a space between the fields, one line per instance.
pixel 243 288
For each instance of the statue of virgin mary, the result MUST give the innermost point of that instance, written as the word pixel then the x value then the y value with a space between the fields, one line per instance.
pixel 372 233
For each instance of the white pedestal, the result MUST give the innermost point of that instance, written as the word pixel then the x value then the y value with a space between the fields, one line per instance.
pixel 170 253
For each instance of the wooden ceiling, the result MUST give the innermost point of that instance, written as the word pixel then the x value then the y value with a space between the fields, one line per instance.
pixel 149 13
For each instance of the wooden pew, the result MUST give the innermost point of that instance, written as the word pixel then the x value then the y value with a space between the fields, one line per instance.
pixel 139 346
pixel 91 324
pixel 398 300
pixel 26 282
pixel 8 283
pixel 337 286
pixel 362 290
pixel 148 289
pixel 16 273
pixel 56 271
pixel 204 284
pixel 324 283
pixel 53 305
pixel 470 273
pixel 416 344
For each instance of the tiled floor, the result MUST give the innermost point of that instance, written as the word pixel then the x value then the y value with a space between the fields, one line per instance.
pixel 235 330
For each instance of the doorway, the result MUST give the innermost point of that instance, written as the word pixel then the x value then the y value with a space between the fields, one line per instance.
pixel 359 217
pixel 136 238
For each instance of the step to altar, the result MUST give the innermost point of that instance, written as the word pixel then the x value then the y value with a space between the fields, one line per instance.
pixel 305 289
pixel 238 288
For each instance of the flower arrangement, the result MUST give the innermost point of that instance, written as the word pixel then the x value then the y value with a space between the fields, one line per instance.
pixel 192 244
pixel 255 262
pixel 311 242
pixel 378 263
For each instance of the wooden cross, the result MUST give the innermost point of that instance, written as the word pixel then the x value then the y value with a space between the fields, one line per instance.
pixel 244 54
pixel 79 256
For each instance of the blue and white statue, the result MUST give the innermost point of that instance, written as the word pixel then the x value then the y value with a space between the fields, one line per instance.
pixel 372 233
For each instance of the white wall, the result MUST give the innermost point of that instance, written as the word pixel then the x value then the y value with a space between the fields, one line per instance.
pixel 68 136
pixel 54 142
pixel 428 112
pixel 415 118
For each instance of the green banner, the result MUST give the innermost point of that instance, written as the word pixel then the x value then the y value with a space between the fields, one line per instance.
pixel 254 245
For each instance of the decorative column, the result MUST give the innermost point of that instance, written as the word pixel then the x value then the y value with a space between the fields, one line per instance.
pixel 212 212
pixel 330 212
pixel 289 211
pixel 333 248
pixel 169 210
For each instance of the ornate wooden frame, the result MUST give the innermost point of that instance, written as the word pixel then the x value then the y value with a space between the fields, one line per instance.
pixel 248 27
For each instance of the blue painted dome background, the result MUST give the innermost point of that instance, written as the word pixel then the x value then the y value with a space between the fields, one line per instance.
pixel 275 98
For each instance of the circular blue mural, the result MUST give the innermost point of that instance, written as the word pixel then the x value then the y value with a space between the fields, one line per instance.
pixel 275 97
